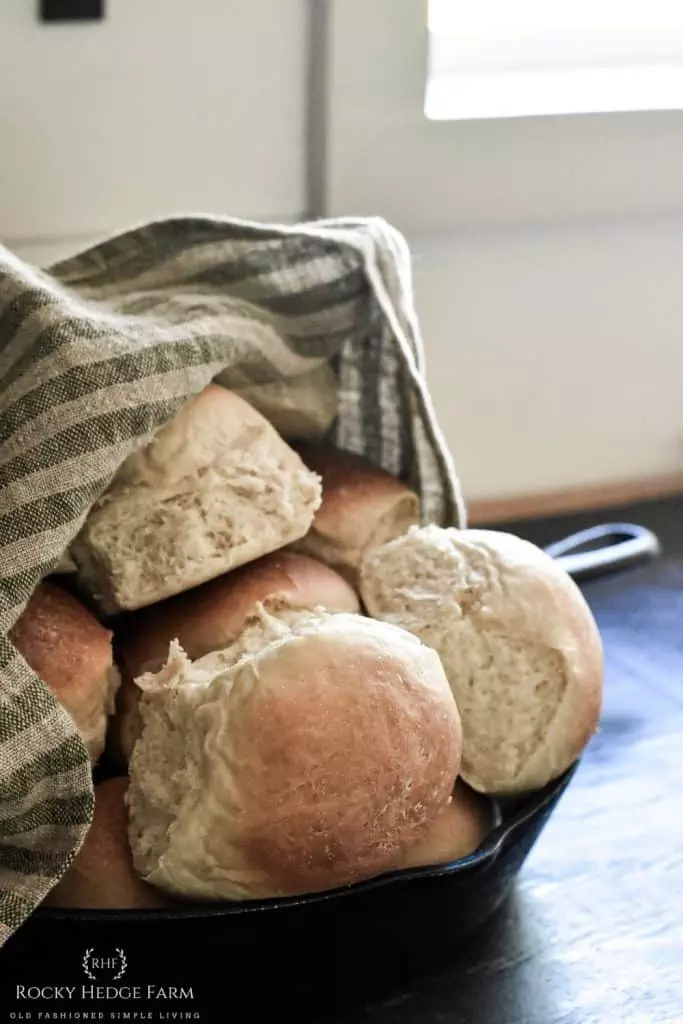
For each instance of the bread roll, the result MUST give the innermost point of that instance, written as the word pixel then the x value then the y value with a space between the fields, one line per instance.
pixel 216 488
pixel 517 640
pixel 71 651
pixel 102 876
pixel 310 764
pixel 362 506
pixel 300 408
pixel 458 831
pixel 211 617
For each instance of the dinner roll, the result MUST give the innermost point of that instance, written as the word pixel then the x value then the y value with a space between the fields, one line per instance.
pixel 302 407
pixel 312 763
pixel 361 506
pixel 216 488
pixel 212 616
pixel 102 876
pixel 519 644
pixel 71 651
pixel 458 831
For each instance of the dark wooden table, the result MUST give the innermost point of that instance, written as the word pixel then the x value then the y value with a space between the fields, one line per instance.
pixel 594 931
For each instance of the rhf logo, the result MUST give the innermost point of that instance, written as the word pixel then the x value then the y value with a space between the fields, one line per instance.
pixel 114 966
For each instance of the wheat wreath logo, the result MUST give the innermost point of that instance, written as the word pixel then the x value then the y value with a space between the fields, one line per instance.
pixel 104 971
pixel 92 964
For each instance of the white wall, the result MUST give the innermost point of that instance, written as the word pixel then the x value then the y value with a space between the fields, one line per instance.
pixel 164 107
pixel 384 156
pixel 555 352
pixel 555 355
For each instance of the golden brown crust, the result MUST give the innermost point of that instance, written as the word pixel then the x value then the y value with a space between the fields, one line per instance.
pixel 311 764
pixel 542 604
pixel 362 505
pixel 210 617
pixel 63 642
pixel 458 831
pixel 102 875
pixel 71 651
pixel 390 749
pixel 577 717
pixel 518 641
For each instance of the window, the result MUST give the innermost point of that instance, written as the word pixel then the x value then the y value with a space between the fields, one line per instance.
pixel 381 153
pixel 511 58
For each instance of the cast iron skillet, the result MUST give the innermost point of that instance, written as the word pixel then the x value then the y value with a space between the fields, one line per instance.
pixel 408 915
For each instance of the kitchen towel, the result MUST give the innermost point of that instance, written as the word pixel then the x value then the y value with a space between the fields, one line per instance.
pixel 101 350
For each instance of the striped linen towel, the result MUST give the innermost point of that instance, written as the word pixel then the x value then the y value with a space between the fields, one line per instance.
pixel 100 351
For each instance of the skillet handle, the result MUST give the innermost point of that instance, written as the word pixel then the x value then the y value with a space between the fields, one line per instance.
pixel 614 546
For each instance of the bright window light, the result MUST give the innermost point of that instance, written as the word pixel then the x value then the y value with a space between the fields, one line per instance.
pixel 520 58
